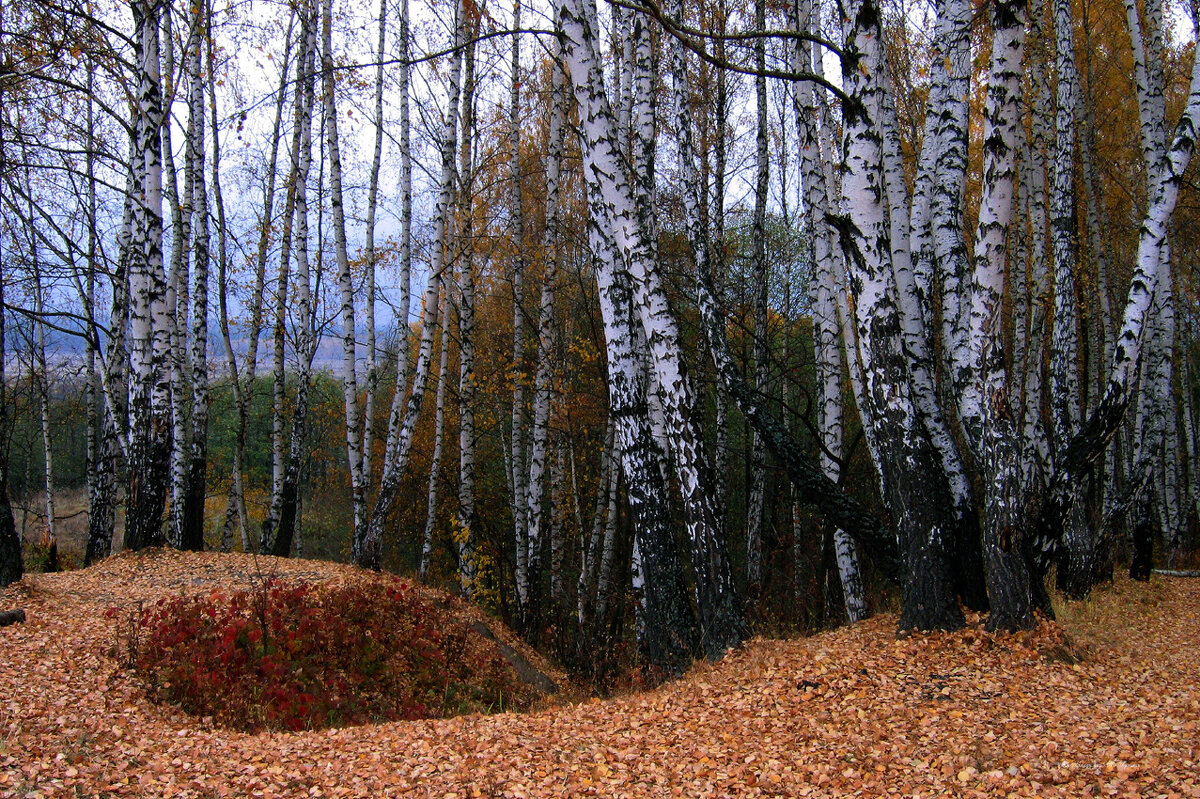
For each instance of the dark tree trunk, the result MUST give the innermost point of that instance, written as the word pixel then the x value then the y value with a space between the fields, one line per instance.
pixel 193 517
pixel 149 467
pixel 968 562
pixel 1143 538
pixel 11 565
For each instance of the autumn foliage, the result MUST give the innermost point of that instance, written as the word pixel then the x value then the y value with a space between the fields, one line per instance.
pixel 293 656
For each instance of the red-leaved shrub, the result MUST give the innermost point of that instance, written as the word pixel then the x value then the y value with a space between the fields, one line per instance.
pixel 296 656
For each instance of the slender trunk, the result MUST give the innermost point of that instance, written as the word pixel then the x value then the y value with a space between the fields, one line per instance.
pixel 435 463
pixel 543 388
pixel 467 28
pixel 402 420
pixel 372 261
pixel 758 258
pixel 101 445
pixel 39 374
pixel 177 290
pixel 1036 454
pixel 12 566
pixel 279 528
pixel 1075 567
pixel 809 115
pixel 525 532
pixel 243 384
pixel 192 537
pixel 1089 443
pixel 354 438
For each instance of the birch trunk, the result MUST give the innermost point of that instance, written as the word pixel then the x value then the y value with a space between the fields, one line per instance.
pixel 192 531
pixel 1088 444
pixel 985 402
pixel 1036 454
pixel 917 494
pixel 405 410
pixel 525 532
pixel 372 263
pixel 177 290
pixel 149 327
pixel 354 437
pixel 280 526
pixel 435 463
pixel 101 444
pixel 615 206
pixel 827 351
pixel 542 383
pixel 12 565
pixel 758 465
pixel 1075 565
pixel 243 384
pixel 467 388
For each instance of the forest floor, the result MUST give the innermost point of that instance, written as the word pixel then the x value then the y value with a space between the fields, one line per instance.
pixel 1104 705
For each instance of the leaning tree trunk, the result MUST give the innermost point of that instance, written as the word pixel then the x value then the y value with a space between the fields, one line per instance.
pixel 1088 444
pixel 402 420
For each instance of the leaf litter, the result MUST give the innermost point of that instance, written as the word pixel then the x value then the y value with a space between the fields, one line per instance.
pixel 1104 705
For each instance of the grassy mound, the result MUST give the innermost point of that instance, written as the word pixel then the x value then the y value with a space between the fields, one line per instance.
pixel 289 655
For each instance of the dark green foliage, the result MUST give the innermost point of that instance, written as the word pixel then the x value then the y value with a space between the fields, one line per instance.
pixel 296 656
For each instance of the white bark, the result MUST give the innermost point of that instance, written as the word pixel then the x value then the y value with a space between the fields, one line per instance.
pixel 526 531
pixel 535 482
pixel 372 259
pixel 402 420
pixel 149 327
pixel 721 624
pixel 354 437
pixel 758 256
pixel 435 463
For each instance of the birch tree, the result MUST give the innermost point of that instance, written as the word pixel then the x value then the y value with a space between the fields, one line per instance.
pixel 354 433
pixel 1089 442
pixel 149 327
pixel 985 402
pixel 279 528
pixel 197 462
pixel 406 407
pixel 614 205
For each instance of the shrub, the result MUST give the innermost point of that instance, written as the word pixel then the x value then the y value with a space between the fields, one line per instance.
pixel 294 656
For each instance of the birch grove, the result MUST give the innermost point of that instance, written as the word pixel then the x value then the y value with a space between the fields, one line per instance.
pixel 728 316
